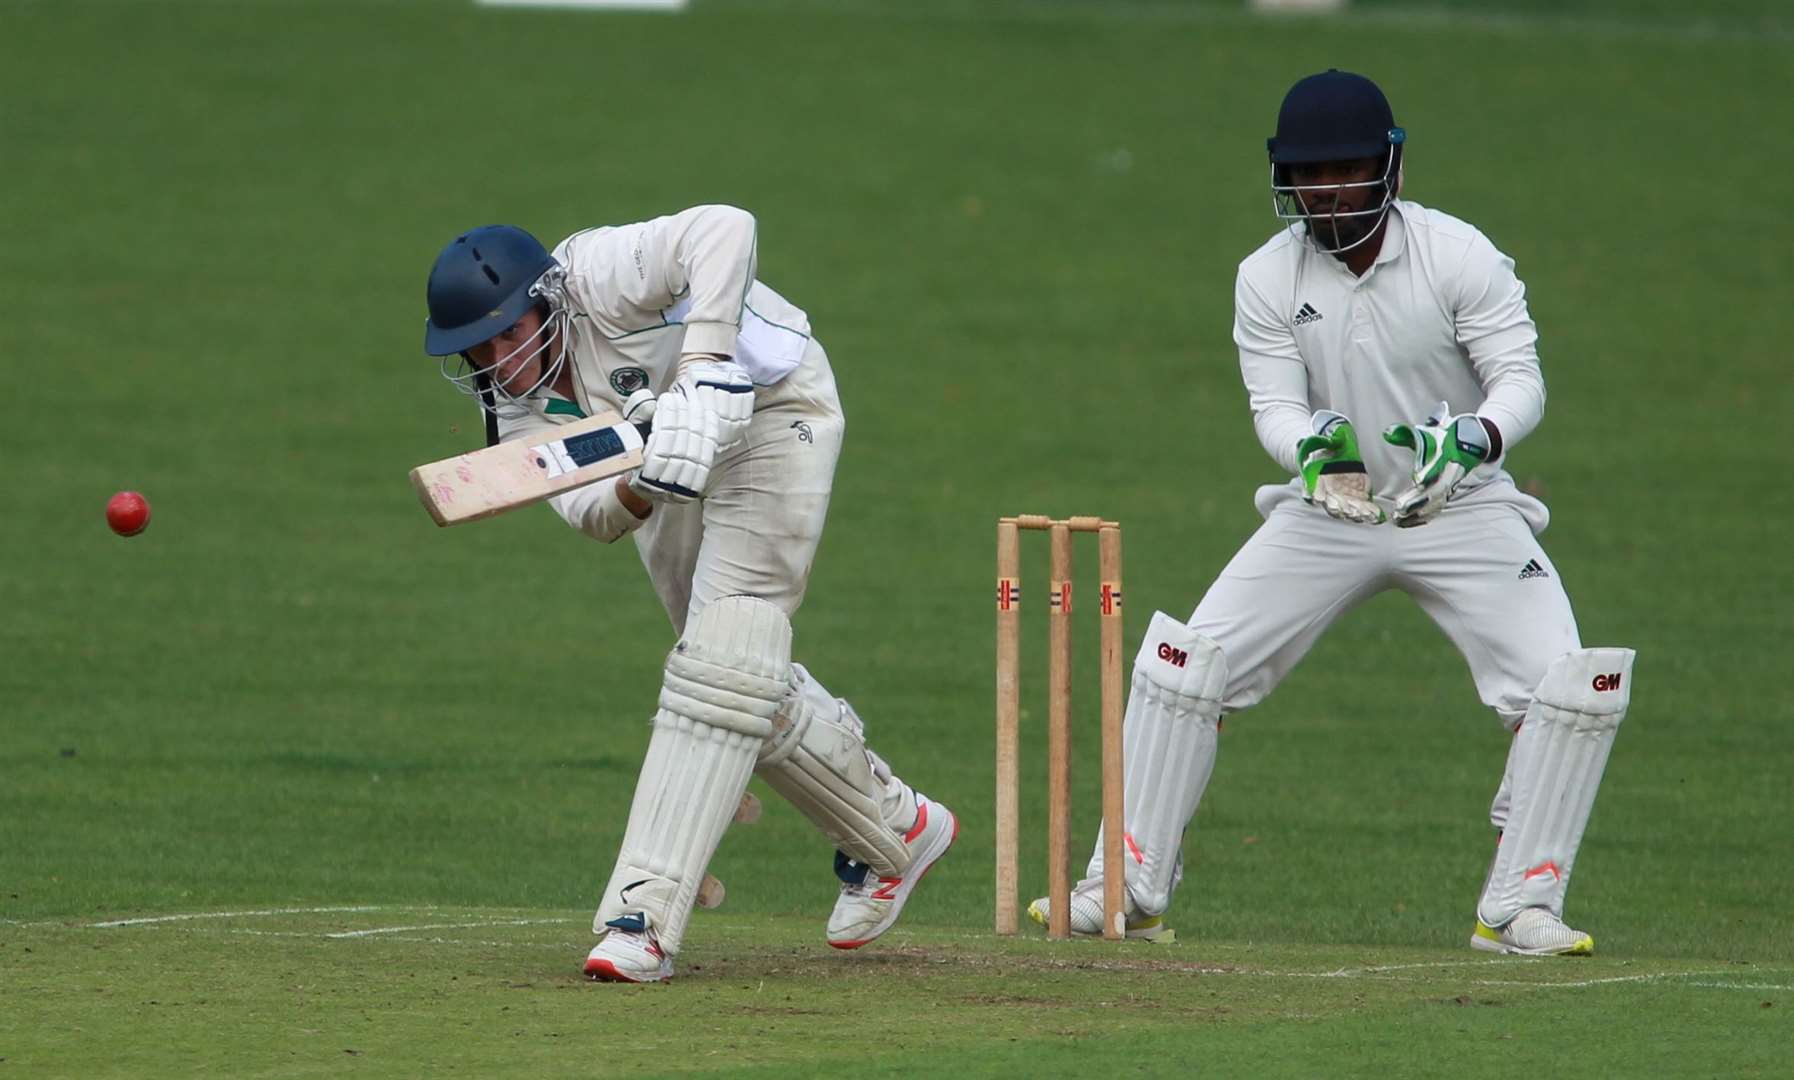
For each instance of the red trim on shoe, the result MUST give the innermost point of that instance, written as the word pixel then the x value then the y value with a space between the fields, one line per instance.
pixel 921 822
pixel 600 970
pixel 919 877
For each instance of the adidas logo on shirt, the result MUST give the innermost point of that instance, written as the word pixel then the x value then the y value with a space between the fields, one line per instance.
pixel 1532 569
pixel 1307 315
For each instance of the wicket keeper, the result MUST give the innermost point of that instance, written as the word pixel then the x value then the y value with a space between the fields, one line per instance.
pixel 1370 312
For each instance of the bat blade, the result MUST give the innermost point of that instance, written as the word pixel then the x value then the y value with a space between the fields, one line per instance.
pixel 711 893
pixel 479 484
pixel 710 890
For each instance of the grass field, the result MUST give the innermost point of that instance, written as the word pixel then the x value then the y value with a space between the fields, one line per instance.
pixel 296 784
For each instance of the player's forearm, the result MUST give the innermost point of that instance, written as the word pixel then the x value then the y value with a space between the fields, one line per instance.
pixel 1280 428
pixel 605 511
pixel 1513 406
pixel 1497 333
pixel 1275 377
pixel 1277 392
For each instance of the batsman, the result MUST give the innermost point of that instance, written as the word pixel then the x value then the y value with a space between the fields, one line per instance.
pixel 1369 312
pixel 665 322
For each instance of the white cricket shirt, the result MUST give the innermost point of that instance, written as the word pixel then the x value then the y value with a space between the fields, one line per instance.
pixel 643 295
pixel 1439 316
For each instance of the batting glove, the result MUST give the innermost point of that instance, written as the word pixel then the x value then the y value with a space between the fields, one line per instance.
pixel 726 389
pixel 1333 475
pixel 638 409
pixel 678 453
pixel 1446 449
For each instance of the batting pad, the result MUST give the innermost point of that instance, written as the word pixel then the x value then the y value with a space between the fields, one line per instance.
pixel 1169 739
pixel 723 683
pixel 818 760
pixel 1554 769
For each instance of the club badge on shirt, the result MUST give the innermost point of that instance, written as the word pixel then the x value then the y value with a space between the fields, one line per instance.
pixel 627 380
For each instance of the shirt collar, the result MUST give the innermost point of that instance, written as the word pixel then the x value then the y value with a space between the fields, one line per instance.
pixel 1395 245
pixel 1395 236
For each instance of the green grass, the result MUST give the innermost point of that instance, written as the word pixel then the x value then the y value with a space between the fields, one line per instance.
pixel 1015 227
pixel 487 991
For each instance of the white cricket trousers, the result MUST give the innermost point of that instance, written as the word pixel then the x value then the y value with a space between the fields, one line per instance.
pixel 755 533
pixel 1477 570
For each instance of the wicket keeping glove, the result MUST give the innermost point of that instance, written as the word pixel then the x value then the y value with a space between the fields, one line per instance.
pixel 678 453
pixel 722 386
pixel 1446 448
pixel 1333 475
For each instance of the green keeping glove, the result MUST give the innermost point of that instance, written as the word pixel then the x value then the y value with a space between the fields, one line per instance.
pixel 1333 475
pixel 1446 448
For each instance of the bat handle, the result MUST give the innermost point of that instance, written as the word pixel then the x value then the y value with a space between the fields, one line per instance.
pixel 645 427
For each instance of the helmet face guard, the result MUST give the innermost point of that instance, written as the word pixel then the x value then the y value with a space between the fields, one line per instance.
pixel 1291 201
pixel 481 285
pixel 1333 117
pixel 551 343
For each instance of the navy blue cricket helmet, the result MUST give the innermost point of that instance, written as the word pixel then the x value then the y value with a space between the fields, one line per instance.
pixel 1335 116
pixel 481 285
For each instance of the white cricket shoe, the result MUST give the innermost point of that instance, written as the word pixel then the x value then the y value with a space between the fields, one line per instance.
pixel 629 953
pixel 1087 915
pixel 869 904
pixel 1533 932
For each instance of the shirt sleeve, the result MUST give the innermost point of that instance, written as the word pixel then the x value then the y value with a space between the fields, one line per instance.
pixel 703 257
pixel 1497 333
pixel 1276 379
pixel 597 511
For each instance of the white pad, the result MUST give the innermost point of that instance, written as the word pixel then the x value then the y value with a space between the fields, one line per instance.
pixel 724 681
pixel 817 758
pixel 1554 769
pixel 1169 739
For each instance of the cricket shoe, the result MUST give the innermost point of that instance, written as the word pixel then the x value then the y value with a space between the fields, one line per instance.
pixel 629 953
pixel 869 903
pixel 1533 932
pixel 1087 915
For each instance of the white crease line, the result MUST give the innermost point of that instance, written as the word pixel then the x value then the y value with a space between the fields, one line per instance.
pixel 563 946
pixel 441 926
pixel 1338 973
pixel 1654 976
pixel 226 915
pixel 1369 974
pixel 1378 974
pixel 1347 973
pixel 1580 984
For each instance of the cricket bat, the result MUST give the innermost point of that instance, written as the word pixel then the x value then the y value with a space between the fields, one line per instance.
pixel 710 891
pixel 485 482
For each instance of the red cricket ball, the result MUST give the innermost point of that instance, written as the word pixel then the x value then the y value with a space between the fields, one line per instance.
pixel 128 513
